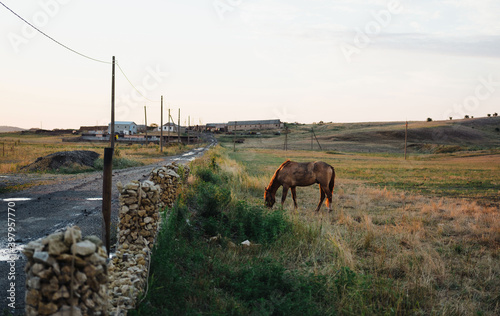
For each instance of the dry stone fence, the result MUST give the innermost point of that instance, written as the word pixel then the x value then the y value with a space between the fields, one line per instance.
pixel 64 273
pixel 71 275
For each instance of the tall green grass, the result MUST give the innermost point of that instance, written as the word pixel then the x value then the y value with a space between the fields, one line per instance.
pixel 200 267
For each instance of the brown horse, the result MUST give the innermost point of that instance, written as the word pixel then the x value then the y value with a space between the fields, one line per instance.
pixel 292 174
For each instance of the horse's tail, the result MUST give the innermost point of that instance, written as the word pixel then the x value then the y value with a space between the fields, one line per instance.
pixel 331 185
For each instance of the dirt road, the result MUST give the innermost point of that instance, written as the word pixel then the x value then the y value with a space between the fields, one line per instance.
pixel 42 210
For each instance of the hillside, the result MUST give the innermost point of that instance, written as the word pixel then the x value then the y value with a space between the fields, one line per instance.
pixel 388 137
pixel 8 129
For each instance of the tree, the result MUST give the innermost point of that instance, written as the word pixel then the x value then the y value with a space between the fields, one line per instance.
pixel 429 119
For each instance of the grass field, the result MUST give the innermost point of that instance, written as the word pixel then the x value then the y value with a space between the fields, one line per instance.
pixel 420 237
pixel 18 150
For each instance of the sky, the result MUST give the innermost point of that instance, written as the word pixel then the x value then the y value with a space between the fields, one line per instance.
pixel 225 60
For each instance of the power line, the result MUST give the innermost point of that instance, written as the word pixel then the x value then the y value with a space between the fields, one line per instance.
pixel 76 52
pixel 121 70
pixel 51 38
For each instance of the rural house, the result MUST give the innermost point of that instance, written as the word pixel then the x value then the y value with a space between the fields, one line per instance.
pixel 124 127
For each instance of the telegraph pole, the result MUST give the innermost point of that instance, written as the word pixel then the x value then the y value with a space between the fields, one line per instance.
pixel 146 123
pixel 168 127
pixel 406 136
pixel 161 126
pixel 179 126
pixel 189 126
pixel 112 127
pixel 107 175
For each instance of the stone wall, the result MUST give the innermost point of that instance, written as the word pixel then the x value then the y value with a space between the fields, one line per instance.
pixel 168 178
pixel 56 262
pixel 62 259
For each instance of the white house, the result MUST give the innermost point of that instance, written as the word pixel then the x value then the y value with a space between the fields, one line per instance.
pixel 124 127
pixel 172 127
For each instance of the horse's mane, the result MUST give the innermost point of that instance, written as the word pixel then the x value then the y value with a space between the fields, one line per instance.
pixel 287 162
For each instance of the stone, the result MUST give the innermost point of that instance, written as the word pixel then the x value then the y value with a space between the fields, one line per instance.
pixel 96 240
pixel 41 256
pixel 84 248
pixel 33 297
pixel 47 309
pixel 68 311
pixel 33 283
pixel 72 235
pixel 57 246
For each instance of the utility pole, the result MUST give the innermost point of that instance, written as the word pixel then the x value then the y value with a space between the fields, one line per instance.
pixel 107 177
pixel 179 126
pixel 146 123
pixel 161 126
pixel 112 127
pixel 406 136
pixel 234 137
pixel 168 126
pixel 189 126
pixel 286 138
pixel 312 135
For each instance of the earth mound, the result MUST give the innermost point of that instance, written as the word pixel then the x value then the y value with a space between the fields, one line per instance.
pixel 63 159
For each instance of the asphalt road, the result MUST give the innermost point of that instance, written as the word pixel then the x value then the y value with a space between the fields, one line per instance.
pixel 42 210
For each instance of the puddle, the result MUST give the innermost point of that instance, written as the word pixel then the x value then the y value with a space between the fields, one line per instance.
pixel 16 199
pixel 94 199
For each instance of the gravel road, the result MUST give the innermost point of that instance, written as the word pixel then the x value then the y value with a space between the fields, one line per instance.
pixel 44 209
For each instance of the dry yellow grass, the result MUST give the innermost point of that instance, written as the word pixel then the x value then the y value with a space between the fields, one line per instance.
pixel 443 250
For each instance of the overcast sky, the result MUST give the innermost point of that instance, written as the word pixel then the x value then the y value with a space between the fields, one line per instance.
pixel 221 60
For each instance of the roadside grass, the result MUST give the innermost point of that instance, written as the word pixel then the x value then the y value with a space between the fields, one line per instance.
pixel 381 251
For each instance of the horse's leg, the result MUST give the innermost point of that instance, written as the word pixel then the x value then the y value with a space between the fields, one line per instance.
pixel 283 197
pixel 294 196
pixel 321 199
pixel 325 191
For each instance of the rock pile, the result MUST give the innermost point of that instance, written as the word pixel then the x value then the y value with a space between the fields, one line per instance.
pixel 59 261
pixel 128 273
pixel 138 215
pixel 168 178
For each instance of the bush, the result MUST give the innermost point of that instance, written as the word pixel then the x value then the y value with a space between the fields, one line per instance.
pixel 256 223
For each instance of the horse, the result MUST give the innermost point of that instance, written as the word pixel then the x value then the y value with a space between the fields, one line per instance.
pixel 292 174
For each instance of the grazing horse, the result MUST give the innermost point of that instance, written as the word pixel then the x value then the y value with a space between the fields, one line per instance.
pixel 292 174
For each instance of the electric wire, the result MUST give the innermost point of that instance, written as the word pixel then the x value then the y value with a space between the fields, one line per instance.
pixel 76 52
pixel 130 82
pixel 53 39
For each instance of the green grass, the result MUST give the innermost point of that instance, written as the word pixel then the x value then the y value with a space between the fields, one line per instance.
pixel 199 267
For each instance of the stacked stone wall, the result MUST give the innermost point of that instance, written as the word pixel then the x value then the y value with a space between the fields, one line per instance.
pixel 64 273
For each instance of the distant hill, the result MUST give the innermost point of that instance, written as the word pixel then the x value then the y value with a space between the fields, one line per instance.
pixel 7 129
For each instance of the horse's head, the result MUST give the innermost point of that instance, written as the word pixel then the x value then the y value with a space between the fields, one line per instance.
pixel 269 198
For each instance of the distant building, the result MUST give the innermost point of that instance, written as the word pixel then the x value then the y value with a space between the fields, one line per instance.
pixel 254 125
pixel 216 127
pixel 94 129
pixel 124 127
pixel 171 127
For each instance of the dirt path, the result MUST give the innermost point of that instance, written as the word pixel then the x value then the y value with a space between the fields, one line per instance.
pixel 44 209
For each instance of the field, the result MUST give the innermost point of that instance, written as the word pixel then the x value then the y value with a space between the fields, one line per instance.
pixel 415 237
pixel 20 149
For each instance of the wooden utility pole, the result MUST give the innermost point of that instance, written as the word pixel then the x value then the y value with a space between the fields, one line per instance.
pixel 234 137
pixel 189 126
pixel 112 127
pixel 179 126
pixel 406 136
pixel 146 123
pixel 314 134
pixel 286 138
pixel 161 126
pixel 168 127
pixel 107 177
